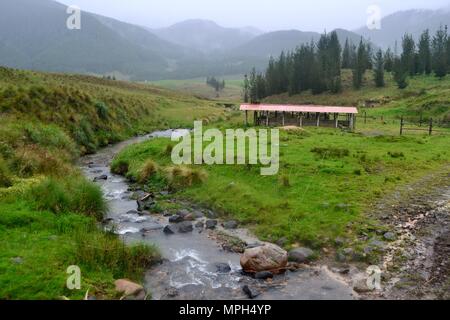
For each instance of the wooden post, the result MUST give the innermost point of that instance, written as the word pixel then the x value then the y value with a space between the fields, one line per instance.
pixel 301 120
pixel 283 119
pixel 352 121
pixel 401 126
pixel 336 120
pixel 246 118
pixel 431 126
pixel 267 118
pixel 318 119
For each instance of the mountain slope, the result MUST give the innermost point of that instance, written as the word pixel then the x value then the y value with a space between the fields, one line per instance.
pixel 394 26
pixel 205 36
pixel 273 43
pixel 38 36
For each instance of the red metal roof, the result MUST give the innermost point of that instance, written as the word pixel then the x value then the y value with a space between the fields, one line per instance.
pixel 298 108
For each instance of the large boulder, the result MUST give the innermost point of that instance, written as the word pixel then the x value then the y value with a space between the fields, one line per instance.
pixel 268 257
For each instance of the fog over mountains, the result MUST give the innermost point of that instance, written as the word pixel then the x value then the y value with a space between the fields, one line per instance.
pixel 33 35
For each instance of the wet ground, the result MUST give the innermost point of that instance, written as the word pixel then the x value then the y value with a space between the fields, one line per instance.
pixel 189 267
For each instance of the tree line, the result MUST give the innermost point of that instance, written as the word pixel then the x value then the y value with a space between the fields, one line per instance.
pixel 216 84
pixel 317 66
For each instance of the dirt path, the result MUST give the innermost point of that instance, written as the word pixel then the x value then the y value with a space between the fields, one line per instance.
pixel 416 265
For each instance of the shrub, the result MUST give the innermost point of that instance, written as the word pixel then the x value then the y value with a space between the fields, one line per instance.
pixel 396 154
pixel 147 171
pixel 102 110
pixel 5 178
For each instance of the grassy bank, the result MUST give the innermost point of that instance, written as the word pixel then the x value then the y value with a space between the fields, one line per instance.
pixel 48 211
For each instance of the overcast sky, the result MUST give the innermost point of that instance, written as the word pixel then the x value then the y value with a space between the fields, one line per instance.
pixel 267 15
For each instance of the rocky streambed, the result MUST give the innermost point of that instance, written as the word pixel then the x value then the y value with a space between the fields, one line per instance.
pixel 201 254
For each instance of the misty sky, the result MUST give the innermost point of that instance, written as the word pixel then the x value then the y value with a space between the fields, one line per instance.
pixel 267 15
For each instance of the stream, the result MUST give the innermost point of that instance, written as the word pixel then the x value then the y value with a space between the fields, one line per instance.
pixel 189 267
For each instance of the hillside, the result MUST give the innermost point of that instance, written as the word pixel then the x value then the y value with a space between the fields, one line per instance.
pixel 101 46
pixel 49 212
pixel 273 43
pixel 425 95
pixel 394 26
pixel 205 36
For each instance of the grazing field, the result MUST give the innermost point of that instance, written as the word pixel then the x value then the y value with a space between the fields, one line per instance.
pixel 328 179
pixel 198 87
pixel 48 211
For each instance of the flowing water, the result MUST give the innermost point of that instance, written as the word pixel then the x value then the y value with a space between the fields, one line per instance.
pixel 188 270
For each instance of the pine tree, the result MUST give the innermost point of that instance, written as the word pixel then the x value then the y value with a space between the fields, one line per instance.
pixel 271 78
pixel 389 60
pixel 439 53
pixel 253 87
pixel 424 65
pixel 379 69
pixel 408 54
pixel 400 73
pixel 360 66
pixel 246 89
pixel 346 56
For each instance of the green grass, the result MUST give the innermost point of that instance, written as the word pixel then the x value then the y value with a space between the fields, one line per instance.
pixel 198 87
pixel 47 244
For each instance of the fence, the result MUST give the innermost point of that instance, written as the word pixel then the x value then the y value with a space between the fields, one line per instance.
pixel 429 125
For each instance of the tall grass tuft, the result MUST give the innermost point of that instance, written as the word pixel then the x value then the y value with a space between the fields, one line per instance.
pixel 87 198
pixel 72 194
pixel 49 195
pixel 100 251
pixel 149 169
pixel 180 176
pixel 5 176
pixel 120 167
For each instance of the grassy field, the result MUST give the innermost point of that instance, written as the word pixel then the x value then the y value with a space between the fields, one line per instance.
pixel 198 87
pixel 48 211
pixel 328 179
